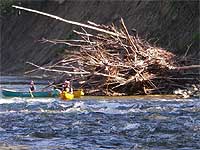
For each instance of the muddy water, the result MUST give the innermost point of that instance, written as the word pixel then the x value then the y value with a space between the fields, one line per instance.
pixel 98 123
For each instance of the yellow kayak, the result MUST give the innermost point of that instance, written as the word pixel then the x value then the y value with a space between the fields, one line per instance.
pixel 78 93
pixel 66 96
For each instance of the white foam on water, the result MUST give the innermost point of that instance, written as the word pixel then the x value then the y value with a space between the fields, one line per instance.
pixel 77 107
pixel 22 100
pixel 11 100
pixel 2 129
pixel 111 104
pixel 110 107
pixel 132 126
pixel 103 107
pixel 137 110
pixel 111 111
pixel 76 123
pixel 43 100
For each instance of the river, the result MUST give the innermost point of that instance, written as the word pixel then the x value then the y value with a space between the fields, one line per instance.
pixel 96 123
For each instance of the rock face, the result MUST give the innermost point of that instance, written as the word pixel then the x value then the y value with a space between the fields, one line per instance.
pixel 172 25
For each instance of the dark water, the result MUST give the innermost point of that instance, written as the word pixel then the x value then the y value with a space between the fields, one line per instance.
pixel 92 123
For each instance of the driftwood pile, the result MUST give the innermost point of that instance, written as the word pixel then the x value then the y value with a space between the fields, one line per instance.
pixel 120 65
pixel 111 61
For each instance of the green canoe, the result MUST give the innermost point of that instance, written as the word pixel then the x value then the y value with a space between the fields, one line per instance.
pixel 12 93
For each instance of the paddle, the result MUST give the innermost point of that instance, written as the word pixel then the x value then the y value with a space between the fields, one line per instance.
pixel 47 86
pixel 71 86
pixel 50 85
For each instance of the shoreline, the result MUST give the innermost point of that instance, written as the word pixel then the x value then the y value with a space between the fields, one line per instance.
pixel 191 91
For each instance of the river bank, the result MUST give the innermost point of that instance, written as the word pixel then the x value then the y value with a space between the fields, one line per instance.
pixel 21 82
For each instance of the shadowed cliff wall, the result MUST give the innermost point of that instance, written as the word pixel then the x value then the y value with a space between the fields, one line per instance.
pixel 171 25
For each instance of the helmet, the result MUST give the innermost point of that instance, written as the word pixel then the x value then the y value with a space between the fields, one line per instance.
pixel 32 82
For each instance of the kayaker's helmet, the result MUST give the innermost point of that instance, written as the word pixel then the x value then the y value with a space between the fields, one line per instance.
pixel 32 82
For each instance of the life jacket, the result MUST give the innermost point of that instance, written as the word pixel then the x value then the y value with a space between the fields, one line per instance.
pixel 32 88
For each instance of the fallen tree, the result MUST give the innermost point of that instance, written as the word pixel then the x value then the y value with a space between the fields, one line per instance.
pixel 111 61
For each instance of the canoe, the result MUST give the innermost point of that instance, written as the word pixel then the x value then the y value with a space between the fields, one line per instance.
pixel 13 93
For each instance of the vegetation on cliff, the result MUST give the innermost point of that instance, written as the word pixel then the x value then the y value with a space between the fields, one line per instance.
pixel 5 6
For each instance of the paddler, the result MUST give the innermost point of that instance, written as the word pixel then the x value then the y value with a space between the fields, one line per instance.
pixel 66 86
pixel 32 87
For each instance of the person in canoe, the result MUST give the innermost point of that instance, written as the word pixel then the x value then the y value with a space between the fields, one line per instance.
pixel 32 87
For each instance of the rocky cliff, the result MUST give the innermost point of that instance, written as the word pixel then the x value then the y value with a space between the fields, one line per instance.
pixel 168 24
